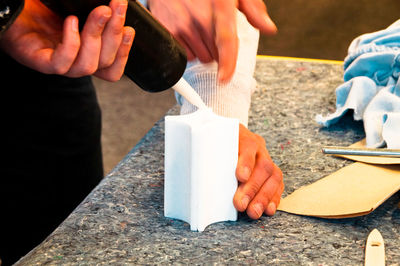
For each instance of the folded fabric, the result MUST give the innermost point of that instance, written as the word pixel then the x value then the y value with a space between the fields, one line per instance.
pixel 371 87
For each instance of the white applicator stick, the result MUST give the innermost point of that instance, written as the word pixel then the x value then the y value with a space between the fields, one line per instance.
pixel 187 91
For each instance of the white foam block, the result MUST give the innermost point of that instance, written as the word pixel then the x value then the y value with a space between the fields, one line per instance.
pixel 201 153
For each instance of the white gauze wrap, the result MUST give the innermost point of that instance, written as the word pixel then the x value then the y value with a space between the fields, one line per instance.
pixel 231 99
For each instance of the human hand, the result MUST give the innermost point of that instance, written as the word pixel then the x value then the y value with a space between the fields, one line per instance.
pixel 260 180
pixel 208 30
pixel 42 41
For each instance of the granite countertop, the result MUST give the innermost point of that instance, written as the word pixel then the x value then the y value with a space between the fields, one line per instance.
pixel 122 221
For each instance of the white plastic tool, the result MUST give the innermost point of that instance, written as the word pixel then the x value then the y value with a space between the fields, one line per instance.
pixel 184 89
pixel 375 249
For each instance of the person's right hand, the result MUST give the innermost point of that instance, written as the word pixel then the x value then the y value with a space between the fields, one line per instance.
pixel 42 41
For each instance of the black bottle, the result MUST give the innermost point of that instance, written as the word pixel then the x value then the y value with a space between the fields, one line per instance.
pixel 156 61
pixel 9 11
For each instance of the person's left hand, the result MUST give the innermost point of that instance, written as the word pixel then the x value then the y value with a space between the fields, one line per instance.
pixel 208 29
pixel 260 180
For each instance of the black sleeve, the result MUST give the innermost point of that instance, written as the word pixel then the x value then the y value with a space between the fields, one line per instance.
pixel 9 11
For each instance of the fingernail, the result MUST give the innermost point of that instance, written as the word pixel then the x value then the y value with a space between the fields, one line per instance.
pixel 258 208
pixel 271 209
pixel 121 9
pixel 103 19
pixel 269 21
pixel 127 38
pixel 245 201
pixel 75 25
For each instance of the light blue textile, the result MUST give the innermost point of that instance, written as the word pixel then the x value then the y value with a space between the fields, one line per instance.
pixel 371 87
pixel 143 2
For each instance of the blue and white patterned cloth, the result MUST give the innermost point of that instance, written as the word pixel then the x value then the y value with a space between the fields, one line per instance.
pixel 371 87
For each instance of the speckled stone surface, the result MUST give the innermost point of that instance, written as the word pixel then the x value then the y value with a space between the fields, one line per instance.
pixel 122 222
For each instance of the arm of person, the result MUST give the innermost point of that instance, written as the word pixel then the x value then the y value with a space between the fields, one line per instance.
pixel 260 180
pixel 225 44
pixel 43 41
pixel 208 28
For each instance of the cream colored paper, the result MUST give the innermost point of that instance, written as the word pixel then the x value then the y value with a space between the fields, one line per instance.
pixel 352 191
pixel 369 159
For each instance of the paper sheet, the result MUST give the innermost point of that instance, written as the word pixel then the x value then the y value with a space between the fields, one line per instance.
pixel 369 159
pixel 352 191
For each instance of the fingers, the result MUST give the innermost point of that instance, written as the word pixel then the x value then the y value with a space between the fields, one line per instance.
pixel 256 13
pixel 195 30
pixel 276 199
pixel 261 181
pixel 246 192
pixel 112 34
pixel 49 58
pixel 207 30
pixel 116 70
pixel 195 43
pixel 202 21
pixel 105 43
pixel 226 38
pixel 268 197
pixel 53 47
pixel 248 147
pixel 189 53
pixel 65 53
pixel 87 60
pixel 206 34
